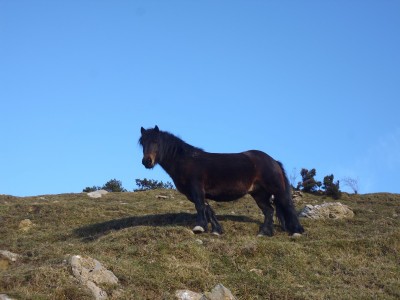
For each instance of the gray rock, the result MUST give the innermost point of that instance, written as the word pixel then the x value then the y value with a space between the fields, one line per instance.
pixel 199 241
pixel 97 292
pixel 297 196
pixel 5 297
pixel 331 210
pixel 97 194
pixel 12 257
pixel 296 235
pixel 257 271
pixel 188 295
pixel 90 273
pixel 7 258
pixel 219 292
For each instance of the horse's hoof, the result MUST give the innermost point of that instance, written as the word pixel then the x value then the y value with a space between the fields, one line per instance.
pixel 215 233
pixel 198 229
pixel 296 235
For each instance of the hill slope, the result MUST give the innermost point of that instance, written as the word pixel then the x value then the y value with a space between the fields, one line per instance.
pixel 148 244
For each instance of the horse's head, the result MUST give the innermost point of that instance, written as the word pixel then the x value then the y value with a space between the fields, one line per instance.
pixel 150 143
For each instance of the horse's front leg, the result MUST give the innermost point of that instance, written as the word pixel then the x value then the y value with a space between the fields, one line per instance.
pixel 197 197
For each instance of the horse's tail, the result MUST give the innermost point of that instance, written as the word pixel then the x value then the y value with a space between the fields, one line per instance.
pixel 285 210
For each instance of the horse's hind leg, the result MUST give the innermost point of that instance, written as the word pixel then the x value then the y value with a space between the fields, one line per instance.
pixel 287 214
pixel 215 226
pixel 264 203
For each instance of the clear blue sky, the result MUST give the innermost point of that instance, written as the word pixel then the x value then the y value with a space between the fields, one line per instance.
pixel 315 84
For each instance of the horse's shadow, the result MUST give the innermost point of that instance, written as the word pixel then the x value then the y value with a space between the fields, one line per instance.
pixel 94 231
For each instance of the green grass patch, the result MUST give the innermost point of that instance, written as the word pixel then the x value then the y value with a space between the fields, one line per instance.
pixel 148 244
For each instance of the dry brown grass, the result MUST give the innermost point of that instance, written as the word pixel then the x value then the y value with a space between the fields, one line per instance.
pixel 148 245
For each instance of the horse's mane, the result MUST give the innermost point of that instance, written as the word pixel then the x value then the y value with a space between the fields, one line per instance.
pixel 171 147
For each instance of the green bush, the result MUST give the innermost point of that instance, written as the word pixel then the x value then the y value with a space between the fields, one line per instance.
pixel 151 184
pixel 331 188
pixel 308 184
pixel 112 185
pixel 91 189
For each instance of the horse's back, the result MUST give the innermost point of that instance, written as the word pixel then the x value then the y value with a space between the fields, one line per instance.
pixel 227 165
pixel 258 155
pixel 238 166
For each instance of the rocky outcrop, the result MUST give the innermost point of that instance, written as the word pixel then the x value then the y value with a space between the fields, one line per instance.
pixel 331 210
pixel 91 274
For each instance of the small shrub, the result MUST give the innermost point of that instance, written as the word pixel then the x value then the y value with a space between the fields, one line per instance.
pixel 112 185
pixel 151 184
pixel 91 189
pixel 308 184
pixel 331 189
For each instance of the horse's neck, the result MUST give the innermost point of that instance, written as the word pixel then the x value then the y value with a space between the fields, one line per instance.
pixel 174 159
pixel 172 163
pixel 170 167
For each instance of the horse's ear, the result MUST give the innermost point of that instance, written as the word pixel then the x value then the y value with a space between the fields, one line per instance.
pixel 142 130
pixel 156 129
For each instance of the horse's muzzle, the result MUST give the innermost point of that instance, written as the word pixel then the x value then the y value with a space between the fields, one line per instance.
pixel 148 162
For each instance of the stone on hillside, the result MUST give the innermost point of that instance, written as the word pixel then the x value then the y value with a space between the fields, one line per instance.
pixel 90 273
pixel 5 297
pixel 296 235
pixel 25 225
pixel 13 257
pixel 297 196
pixel 97 194
pixel 257 271
pixel 6 258
pixel 97 292
pixel 219 292
pixel 331 210
pixel 188 295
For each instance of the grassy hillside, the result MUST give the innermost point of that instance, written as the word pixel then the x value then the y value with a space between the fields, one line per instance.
pixel 148 244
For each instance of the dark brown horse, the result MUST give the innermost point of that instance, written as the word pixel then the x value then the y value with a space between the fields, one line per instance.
pixel 200 175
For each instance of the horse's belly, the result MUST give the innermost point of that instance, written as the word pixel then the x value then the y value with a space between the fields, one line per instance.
pixel 224 197
pixel 226 194
pixel 230 180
